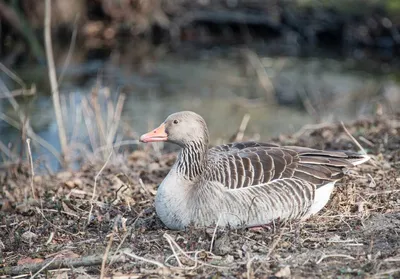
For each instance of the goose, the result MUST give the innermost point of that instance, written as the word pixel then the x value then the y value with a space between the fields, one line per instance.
pixel 243 184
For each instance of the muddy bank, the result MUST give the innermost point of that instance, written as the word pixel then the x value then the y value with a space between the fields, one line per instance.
pixel 70 224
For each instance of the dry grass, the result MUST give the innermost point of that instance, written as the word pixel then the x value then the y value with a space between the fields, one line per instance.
pixel 356 236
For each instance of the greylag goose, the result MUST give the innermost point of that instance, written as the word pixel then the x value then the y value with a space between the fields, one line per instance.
pixel 245 184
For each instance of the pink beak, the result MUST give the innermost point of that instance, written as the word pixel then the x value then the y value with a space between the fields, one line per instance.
pixel 156 135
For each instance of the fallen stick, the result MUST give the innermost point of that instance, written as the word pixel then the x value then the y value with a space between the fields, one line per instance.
pixel 20 92
pixel 61 263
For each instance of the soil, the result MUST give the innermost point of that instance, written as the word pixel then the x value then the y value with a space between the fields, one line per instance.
pixel 70 230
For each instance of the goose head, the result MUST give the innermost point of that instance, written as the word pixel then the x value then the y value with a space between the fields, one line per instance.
pixel 183 128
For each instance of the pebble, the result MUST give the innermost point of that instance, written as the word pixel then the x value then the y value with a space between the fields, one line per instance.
pixel 64 175
pixel 283 272
pixel 229 259
pixel 76 182
pixel 138 155
pixel 37 179
pixel 70 184
pixel 222 245
pixel 386 166
pixel 29 236
pixel 154 167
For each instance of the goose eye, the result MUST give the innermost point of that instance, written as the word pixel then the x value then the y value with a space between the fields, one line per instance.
pixel 176 121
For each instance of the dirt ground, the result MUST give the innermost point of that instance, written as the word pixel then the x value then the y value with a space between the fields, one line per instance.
pixel 70 231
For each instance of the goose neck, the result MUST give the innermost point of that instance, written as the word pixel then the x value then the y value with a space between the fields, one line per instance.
pixel 192 160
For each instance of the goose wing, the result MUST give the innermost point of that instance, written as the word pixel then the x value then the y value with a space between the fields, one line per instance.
pixel 246 164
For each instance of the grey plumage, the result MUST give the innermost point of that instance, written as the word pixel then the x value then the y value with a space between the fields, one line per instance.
pixel 243 184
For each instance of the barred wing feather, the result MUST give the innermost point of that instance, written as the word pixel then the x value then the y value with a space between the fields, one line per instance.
pixel 246 164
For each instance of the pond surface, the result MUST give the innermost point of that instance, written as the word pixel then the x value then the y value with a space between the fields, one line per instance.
pixel 224 85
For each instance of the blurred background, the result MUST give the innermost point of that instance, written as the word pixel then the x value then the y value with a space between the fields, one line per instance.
pixel 258 67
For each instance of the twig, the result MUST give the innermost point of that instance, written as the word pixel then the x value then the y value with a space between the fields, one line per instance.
pixel 53 79
pixel 271 249
pixel 123 240
pixel 87 113
pixel 242 127
pixel 90 260
pixel 76 110
pixel 50 238
pixel 160 265
pixel 274 244
pixel 110 107
pixel 20 276
pixel 65 111
pixel 392 260
pixel 45 266
pixel 28 142
pixel 50 223
pixel 12 75
pixel 95 185
pixel 24 123
pixel 94 101
pixel 215 232
pixel 146 191
pixel 7 151
pixel 387 272
pixel 70 50
pixel 262 75
pixel 248 268
pixel 368 142
pixel 116 117
pixel 311 127
pixel 126 276
pixel 383 192
pixel 353 139
pixel 170 240
pixel 334 255
pixel 196 261
pixel 12 101
pixel 20 92
pixel 103 263
pixel 372 184
pixel 32 135
pixel 62 211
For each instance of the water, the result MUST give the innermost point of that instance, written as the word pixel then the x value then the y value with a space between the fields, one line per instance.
pixel 223 85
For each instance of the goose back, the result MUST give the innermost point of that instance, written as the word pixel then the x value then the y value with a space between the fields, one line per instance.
pixel 240 165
